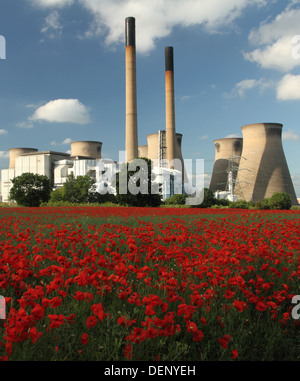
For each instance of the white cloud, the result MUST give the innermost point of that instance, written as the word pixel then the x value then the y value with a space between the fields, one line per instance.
pixel 64 142
pixel 289 88
pixel 186 97
pixel 52 27
pixel 275 41
pixel 51 3
pixel 62 111
pixel 3 132
pixel 232 136
pixel 27 124
pixel 4 154
pixel 248 84
pixel 156 18
pixel 204 137
pixel 290 135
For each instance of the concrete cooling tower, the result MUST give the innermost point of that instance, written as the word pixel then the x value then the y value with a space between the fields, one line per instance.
pixel 228 152
pixel 88 149
pixel 263 168
pixel 143 151
pixel 14 153
pixel 131 134
pixel 157 150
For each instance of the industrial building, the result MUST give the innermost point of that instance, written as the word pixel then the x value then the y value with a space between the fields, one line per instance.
pixel 248 168
pixel 254 167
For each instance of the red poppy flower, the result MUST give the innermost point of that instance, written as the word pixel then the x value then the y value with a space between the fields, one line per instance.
pixel 234 354
pixel 98 310
pixel 34 335
pixel 224 341
pixel 84 339
pixel 128 351
pixel 91 321
pixel 260 306
pixel 38 312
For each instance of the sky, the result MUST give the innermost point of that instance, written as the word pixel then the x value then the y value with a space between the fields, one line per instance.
pixel 62 72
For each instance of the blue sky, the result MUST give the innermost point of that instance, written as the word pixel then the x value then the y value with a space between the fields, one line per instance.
pixel 235 62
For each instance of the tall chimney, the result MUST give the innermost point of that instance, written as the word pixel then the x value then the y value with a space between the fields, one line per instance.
pixel 131 139
pixel 170 105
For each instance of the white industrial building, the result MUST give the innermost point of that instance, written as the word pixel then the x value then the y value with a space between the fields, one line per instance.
pixel 55 165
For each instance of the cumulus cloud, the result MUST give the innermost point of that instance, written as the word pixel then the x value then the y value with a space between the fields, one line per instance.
pixel 62 111
pixel 245 85
pixel 64 142
pixel 290 135
pixel 4 154
pixel 51 3
pixel 288 88
pixel 276 41
pixel 3 132
pixel 52 27
pixel 156 18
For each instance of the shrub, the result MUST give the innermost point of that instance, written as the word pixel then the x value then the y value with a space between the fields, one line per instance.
pixel 95 197
pixel 240 204
pixel 280 201
pixel 263 204
pixel 176 199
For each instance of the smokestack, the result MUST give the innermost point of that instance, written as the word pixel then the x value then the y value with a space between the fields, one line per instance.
pixel 131 139
pixel 170 105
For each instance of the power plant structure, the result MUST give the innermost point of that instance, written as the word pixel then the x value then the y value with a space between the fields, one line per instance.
pixel 264 163
pixel 228 153
pixel 250 168
pixel 131 138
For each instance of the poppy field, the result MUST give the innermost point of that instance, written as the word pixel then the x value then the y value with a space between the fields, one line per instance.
pixel 149 284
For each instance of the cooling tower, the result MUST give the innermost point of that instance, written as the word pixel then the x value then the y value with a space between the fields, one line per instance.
pixel 131 138
pixel 157 149
pixel 263 168
pixel 143 151
pixel 228 152
pixel 14 153
pixel 90 149
pixel 170 106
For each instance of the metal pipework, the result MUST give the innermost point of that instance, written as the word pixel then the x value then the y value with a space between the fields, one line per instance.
pixel 131 138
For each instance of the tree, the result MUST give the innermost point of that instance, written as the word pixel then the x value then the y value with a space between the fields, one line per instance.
pixel 280 201
pixel 76 189
pixel 135 184
pixel 30 189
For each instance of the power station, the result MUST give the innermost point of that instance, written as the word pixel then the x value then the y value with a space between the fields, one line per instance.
pixel 249 168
